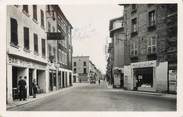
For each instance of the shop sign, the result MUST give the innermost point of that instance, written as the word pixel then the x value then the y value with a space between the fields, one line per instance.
pixel 144 64
pixel 23 63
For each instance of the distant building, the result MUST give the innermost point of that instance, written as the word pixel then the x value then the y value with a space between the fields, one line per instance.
pixel 151 30
pixel 83 68
pixel 120 56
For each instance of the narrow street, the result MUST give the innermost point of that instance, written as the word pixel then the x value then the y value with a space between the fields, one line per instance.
pixel 94 97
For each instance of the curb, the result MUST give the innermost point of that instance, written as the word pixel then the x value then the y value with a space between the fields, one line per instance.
pixel 163 95
pixel 36 99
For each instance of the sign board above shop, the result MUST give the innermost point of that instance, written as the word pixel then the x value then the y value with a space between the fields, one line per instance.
pixel 144 64
pixel 55 36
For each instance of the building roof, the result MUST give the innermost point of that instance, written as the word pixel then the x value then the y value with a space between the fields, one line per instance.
pixel 57 7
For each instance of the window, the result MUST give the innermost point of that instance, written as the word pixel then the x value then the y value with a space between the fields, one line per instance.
pixel 14 31
pixel 84 71
pixel 35 12
pixel 49 51
pixel 75 71
pixel 134 49
pixel 84 63
pixel 74 63
pixel 152 19
pixel 25 8
pixel 35 43
pixel 151 48
pixel 134 6
pixel 49 27
pixel 48 8
pixel 134 25
pixel 42 18
pixel 26 38
pixel 43 47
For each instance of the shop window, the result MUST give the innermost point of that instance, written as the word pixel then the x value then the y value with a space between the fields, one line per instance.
pixel 26 38
pixel 14 31
pixel 43 47
pixel 25 9
pixel 35 12
pixel 35 43
pixel 42 18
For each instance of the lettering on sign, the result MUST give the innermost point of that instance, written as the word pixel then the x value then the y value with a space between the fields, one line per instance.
pixel 144 64
pixel 21 62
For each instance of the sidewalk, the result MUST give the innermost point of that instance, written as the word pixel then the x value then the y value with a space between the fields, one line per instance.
pixel 163 95
pixel 41 96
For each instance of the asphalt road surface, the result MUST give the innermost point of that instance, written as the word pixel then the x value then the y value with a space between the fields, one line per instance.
pixel 94 97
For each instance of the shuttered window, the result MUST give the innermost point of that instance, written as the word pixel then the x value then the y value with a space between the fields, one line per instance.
pixel 14 31
pixel 43 47
pixel 35 43
pixel 26 38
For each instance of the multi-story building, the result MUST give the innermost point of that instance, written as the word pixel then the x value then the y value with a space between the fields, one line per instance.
pixel 26 48
pixel 83 68
pixel 39 47
pixel 120 55
pixel 151 30
pixel 59 48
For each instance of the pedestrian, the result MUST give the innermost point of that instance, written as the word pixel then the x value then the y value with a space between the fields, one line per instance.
pixel 25 88
pixel 99 81
pixel 34 88
pixel 21 88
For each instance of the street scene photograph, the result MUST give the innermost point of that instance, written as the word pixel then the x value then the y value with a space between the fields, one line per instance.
pixel 91 57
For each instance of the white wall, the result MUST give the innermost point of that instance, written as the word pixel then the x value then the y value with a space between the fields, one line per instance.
pixel 128 78
pixel 161 75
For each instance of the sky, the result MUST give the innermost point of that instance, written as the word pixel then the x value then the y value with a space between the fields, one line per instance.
pixel 91 29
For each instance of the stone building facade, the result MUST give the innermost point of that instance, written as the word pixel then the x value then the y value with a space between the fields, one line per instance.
pixel 147 34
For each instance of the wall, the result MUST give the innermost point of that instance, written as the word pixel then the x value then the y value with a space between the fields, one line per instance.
pixel 24 20
pixel 161 75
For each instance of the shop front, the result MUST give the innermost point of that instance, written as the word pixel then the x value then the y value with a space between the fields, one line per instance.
pixel 52 80
pixel 29 70
pixel 146 76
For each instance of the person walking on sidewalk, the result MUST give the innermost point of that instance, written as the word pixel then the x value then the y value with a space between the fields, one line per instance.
pixel 34 88
pixel 21 88
pixel 99 81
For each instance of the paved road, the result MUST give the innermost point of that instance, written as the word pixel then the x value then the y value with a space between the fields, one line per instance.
pixel 92 97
